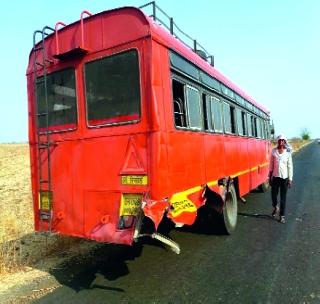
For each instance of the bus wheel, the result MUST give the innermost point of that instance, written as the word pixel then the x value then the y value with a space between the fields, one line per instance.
pixel 230 210
pixel 264 186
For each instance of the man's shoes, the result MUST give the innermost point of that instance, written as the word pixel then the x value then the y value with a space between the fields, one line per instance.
pixel 275 212
pixel 282 220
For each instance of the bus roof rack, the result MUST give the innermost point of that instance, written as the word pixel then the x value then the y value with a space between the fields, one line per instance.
pixel 172 27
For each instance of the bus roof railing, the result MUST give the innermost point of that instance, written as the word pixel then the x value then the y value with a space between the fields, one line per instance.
pixel 174 30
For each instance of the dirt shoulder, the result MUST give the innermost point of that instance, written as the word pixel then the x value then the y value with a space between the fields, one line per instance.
pixel 28 283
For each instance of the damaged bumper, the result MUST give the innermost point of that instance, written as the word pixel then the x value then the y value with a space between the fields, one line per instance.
pixel 181 209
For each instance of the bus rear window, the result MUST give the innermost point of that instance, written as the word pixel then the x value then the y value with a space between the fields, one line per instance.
pixel 113 89
pixel 62 104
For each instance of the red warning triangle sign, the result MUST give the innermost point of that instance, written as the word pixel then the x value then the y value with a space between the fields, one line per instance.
pixel 132 163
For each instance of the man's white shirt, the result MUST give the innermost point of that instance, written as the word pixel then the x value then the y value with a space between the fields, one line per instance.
pixel 281 164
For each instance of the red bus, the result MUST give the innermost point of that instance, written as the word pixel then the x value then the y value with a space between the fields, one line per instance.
pixel 128 124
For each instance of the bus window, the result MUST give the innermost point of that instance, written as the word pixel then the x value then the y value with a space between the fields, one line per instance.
pixel 265 129
pixel 254 126
pixel 206 100
pixel 226 118
pixel 61 96
pixel 233 119
pixel 217 114
pixel 249 125
pixel 259 131
pixel 194 109
pixel 263 135
pixel 113 89
pixel 229 118
pixel 179 103
pixel 244 122
pixel 239 122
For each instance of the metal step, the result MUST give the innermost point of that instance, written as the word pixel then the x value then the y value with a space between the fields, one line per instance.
pixel 42 114
pixel 44 146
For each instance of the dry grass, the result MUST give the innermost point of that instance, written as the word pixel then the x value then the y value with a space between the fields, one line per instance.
pixel 19 245
pixel 297 143
pixel 15 191
pixel 16 217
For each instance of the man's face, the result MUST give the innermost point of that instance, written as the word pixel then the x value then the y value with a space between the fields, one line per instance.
pixel 281 142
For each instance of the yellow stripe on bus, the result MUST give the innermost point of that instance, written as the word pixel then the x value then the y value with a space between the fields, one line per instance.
pixel 181 203
pixel 240 173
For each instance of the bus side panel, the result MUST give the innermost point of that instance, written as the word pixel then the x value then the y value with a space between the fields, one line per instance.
pixel 186 165
pixel 258 162
pixel 263 168
pixel 232 155
pixel 236 159
pixel 214 149
pixel 268 149
pixel 176 163
pixel 244 174
pixel 186 160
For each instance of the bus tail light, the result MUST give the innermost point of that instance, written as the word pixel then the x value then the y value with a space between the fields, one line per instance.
pixel 126 221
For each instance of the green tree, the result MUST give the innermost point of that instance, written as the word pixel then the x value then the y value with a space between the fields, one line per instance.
pixel 305 134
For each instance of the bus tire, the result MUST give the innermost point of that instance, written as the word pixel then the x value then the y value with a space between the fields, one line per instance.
pixel 264 187
pixel 230 210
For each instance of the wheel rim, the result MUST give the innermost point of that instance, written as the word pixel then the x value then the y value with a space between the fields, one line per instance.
pixel 231 209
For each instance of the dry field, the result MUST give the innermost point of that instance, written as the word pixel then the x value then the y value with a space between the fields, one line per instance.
pixel 15 203
pixel 20 247
pixel 297 143
pixel 15 191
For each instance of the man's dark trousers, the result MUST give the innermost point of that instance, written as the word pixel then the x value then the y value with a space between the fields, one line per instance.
pixel 282 184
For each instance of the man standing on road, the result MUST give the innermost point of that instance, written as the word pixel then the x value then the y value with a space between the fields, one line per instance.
pixel 280 176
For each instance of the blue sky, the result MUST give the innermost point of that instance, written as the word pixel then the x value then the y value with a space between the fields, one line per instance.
pixel 271 49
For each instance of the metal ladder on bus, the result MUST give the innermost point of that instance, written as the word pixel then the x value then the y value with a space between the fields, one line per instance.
pixel 43 134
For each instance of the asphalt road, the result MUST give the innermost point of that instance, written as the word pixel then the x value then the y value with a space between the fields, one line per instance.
pixel 262 262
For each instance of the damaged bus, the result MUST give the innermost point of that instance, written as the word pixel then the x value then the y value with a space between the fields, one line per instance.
pixel 128 123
